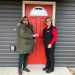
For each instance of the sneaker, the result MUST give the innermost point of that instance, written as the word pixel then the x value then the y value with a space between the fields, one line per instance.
pixel 20 72
pixel 26 69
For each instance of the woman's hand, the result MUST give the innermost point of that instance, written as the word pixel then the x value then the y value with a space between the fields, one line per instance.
pixel 49 45
pixel 35 35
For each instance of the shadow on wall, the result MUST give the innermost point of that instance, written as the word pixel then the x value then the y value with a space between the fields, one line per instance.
pixel 46 0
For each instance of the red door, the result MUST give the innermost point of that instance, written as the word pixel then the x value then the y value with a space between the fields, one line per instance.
pixel 37 15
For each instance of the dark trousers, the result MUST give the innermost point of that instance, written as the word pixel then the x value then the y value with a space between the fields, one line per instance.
pixel 22 60
pixel 50 58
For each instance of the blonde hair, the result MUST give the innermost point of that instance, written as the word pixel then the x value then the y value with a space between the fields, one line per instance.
pixel 48 19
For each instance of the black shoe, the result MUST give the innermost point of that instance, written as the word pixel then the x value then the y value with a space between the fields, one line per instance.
pixel 26 69
pixel 49 71
pixel 20 72
pixel 44 69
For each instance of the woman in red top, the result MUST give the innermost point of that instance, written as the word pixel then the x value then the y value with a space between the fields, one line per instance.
pixel 49 35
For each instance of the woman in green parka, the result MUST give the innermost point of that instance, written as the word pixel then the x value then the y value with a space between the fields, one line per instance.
pixel 25 43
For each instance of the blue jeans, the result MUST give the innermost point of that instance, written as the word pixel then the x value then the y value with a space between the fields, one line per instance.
pixel 22 60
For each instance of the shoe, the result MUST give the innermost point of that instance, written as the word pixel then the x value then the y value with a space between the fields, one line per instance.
pixel 26 69
pixel 20 72
pixel 49 71
pixel 44 69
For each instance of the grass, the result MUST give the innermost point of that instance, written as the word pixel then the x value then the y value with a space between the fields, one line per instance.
pixel 72 70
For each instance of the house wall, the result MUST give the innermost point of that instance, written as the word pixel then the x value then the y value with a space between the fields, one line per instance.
pixel 65 23
pixel 10 15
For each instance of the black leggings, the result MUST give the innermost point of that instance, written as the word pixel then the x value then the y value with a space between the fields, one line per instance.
pixel 50 58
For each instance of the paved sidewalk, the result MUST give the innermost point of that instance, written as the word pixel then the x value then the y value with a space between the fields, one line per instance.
pixel 35 70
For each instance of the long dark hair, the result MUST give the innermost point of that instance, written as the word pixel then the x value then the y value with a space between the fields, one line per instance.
pixel 23 20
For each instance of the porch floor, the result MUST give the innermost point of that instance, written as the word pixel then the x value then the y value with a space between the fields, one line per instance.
pixel 35 70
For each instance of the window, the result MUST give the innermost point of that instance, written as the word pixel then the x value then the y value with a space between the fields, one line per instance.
pixel 38 11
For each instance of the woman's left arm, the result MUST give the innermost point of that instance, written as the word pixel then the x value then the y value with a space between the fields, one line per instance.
pixel 54 33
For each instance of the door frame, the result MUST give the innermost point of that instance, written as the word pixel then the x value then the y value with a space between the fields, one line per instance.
pixel 42 3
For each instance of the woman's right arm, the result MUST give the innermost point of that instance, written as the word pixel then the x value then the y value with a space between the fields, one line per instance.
pixel 18 30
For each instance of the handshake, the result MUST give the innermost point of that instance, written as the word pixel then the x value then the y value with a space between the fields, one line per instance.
pixel 35 35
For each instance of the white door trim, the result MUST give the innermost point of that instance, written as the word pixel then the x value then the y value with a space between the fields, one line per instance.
pixel 42 3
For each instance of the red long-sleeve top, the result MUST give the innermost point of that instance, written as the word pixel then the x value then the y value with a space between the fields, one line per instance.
pixel 54 33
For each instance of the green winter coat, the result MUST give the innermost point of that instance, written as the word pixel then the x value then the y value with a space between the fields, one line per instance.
pixel 25 41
